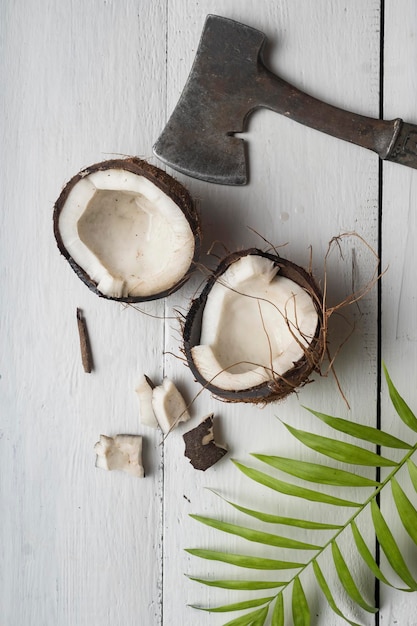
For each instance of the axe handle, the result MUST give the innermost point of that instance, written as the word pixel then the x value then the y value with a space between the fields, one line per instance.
pixel 374 134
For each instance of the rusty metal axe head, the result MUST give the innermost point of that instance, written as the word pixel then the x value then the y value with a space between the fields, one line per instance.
pixel 227 82
pixel 198 138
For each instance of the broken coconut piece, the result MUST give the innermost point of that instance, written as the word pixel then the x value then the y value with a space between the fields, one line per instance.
pixel 128 229
pixel 123 452
pixel 200 446
pixel 161 405
pixel 146 413
pixel 255 334
pixel 169 406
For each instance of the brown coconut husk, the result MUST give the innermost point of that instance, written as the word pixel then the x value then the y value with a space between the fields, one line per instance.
pixel 279 386
pixel 169 185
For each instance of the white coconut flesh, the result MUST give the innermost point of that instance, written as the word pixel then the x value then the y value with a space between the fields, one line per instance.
pixel 123 452
pixel 256 324
pixel 161 405
pixel 129 236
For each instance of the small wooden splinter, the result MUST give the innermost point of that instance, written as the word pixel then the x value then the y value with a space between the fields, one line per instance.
pixel 85 347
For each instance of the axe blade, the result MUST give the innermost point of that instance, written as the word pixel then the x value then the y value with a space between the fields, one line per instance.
pixel 228 81
pixel 198 138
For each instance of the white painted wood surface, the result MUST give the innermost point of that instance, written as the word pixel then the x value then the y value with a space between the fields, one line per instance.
pixel 81 82
pixel 399 227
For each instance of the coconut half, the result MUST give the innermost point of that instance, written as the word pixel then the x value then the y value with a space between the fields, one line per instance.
pixel 255 334
pixel 128 229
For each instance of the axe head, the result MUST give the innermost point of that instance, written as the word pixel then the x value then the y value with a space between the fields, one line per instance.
pixel 217 98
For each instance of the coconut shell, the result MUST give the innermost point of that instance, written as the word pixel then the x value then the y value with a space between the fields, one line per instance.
pixel 169 185
pixel 294 378
pixel 200 446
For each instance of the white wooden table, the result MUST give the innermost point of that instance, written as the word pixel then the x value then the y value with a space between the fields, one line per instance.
pixel 83 81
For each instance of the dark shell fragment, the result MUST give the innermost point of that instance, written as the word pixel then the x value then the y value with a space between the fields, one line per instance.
pixel 200 446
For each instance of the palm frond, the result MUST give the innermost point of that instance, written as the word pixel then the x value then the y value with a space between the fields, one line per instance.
pixel 328 594
pixel 300 610
pixel 290 489
pixel 406 510
pixel 237 606
pixel 316 473
pixel 278 612
pixel 254 535
pixel 347 453
pixel 360 431
pixel 270 518
pixel 367 556
pixel 255 617
pixel 240 585
pixel 390 547
pixel 347 580
pixel 402 408
pixel 340 450
pixel 242 560
pixel 412 468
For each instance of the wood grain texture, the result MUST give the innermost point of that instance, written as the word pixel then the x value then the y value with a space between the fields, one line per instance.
pixel 79 545
pixel 399 229
pixel 305 188
pixel 81 83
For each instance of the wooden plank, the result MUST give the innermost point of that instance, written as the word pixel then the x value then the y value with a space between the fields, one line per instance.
pixel 305 189
pixel 399 229
pixel 79 545
pixel 81 82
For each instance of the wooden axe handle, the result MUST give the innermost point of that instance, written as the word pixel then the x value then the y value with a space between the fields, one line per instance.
pixel 374 134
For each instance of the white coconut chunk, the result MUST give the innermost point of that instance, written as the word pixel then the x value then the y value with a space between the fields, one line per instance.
pixel 145 392
pixel 127 234
pixel 247 267
pixel 169 406
pixel 255 325
pixel 123 452
pixel 162 406
pixel 214 373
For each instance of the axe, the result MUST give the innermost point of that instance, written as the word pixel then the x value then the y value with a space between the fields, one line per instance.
pixel 229 80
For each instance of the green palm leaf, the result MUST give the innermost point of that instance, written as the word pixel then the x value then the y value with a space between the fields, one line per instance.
pixel 348 454
pixel 328 594
pixel 278 612
pixel 255 535
pixel 255 617
pixel 300 610
pixel 339 450
pixel 367 556
pixel 412 469
pixel 293 490
pixel 360 431
pixel 390 547
pixel 314 472
pixel 237 606
pixel 399 404
pixel 406 510
pixel 268 518
pixel 240 585
pixel 242 560
pixel 347 581
pixel 260 621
